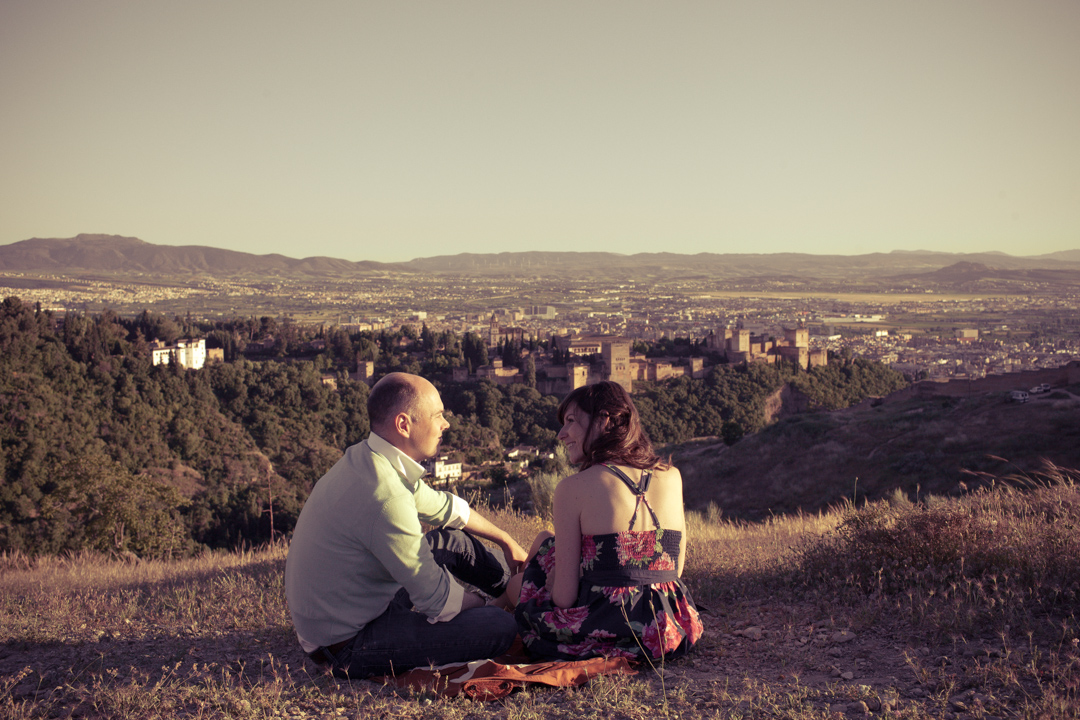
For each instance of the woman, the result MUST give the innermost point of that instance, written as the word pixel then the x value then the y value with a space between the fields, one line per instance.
pixel 619 525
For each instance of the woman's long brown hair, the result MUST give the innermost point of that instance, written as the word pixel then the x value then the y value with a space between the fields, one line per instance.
pixel 623 441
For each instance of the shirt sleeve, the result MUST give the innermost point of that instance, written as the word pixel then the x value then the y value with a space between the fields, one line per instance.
pixel 441 508
pixel 460 512
pixel 453 604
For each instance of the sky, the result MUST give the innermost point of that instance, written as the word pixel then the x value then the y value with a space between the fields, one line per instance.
pixel 411 128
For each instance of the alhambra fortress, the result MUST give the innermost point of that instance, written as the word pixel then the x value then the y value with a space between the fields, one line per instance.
pixel 591 358
pixel 582 359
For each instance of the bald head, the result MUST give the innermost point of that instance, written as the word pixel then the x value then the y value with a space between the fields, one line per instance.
pixel 406 411
pixel 394 394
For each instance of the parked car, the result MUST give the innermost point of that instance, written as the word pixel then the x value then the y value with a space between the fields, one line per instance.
pixel 1020 396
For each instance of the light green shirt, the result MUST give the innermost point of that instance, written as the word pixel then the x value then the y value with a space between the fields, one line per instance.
pixel 358 541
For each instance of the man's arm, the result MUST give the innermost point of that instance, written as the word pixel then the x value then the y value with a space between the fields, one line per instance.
pixel 394 536
pixel 481 527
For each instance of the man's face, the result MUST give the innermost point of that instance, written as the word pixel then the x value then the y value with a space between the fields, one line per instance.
pixel 427 426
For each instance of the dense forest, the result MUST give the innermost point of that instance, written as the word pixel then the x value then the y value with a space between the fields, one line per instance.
pixel 730 401
pixel 101 449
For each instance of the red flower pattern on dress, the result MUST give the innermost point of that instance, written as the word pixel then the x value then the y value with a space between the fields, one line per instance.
pixel 636 623
pixel 547 559
pixel 597 643
pixel 567 618
pixel 636 547
pixel 661 636
pixel 593 648
pixel 584 649
pixel 589 551
pixel 689 620
pixel 529 591
pixel 614 651
pixel 619 595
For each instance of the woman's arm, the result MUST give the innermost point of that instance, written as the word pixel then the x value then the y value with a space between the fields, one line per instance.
pixel 567 521
pixel 682 552
pixel 678 500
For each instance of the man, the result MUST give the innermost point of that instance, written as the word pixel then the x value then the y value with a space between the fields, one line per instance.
pixel 369 592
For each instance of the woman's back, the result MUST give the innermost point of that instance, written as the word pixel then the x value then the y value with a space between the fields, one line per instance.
pixel 619 586
pixel 607 505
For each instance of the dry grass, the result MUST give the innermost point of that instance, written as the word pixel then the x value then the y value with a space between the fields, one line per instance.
pixel 1005 555
pixel 210 637
pixel 728 560
pixel 86 598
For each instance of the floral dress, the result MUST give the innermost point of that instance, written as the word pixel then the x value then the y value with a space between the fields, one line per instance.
pixel 631 602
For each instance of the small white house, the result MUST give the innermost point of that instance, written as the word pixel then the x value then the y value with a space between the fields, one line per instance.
pixel 445 472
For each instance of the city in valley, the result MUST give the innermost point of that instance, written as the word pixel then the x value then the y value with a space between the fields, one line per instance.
pixel 922 331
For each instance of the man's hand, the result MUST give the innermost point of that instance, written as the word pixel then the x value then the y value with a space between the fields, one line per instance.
pixel 515 555
pixel 471 600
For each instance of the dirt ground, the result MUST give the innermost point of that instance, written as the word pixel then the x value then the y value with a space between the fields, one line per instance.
pixel 850 668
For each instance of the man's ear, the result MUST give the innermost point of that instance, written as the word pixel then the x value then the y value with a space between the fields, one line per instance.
pixel 403 424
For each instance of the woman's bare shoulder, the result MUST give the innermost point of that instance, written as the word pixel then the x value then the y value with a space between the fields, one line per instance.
pixel 670 474
pixel 592 481
pixel 578 483
pixel 601 478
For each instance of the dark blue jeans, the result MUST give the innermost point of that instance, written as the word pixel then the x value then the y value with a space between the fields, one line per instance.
pixel 401 638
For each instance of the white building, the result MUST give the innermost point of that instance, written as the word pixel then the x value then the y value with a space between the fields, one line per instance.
pixel 190 354
pixel 445 472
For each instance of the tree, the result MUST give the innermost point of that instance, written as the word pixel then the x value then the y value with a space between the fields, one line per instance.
pixel 530 372
pixel 474 350
pixel 367 349
pixel 511 352
pixel 101 506
pixel 732 432
pixel 427 339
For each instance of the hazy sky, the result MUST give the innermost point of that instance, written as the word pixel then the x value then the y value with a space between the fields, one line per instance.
pixel 401 129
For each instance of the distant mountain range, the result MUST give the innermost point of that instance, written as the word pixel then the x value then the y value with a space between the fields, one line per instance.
pixel 113 254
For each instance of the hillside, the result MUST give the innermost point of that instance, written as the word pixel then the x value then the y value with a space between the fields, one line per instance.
pixel 922 446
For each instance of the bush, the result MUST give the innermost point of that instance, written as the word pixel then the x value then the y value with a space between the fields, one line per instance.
pixel 542 487
pixel 993 556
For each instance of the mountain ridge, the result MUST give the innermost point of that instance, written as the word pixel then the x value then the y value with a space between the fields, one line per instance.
pixel 120 254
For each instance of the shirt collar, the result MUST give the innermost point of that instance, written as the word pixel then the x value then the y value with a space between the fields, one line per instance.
pixel 405 465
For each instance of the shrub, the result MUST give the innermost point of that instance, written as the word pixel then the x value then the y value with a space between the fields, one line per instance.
pixel 542 487
pixel 991 557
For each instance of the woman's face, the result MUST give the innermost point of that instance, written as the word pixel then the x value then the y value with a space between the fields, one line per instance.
pixel 575 427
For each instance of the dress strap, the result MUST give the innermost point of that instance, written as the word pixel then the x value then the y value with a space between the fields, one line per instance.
pixel 639 492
